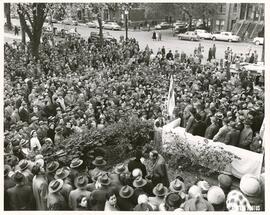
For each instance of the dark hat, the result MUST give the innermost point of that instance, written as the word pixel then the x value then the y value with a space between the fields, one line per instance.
pixel 225 181
pixel 143 207
pixel 52 166
pixel 104 179
pixel 160 190
pixel 23 164
pixel 7 169
pixel 58 129
pixel 18 177
pixel 62 173
pixel 198 204
pixel 177 186
pixel 120 168
pixel 126 192
pixel 55 185
pixel 139 182
pixel 99 161
pixel 76 162
pixel 174 200
pixel 81 181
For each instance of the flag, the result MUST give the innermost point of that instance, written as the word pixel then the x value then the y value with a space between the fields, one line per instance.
pixel 171 98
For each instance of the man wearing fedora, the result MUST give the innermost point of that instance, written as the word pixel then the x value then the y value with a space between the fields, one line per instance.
pixel 40 187
pixel 99 163
pixel 142 186
pixel 98 196
pixel 55 200
pixel 8 183
pixel 160 191
pixel 21 196
pixel 81 185
pixel 75 169
pixel 63 174
pixel 126 200
pixel 118 176
pixel 51 169
pixel 24 167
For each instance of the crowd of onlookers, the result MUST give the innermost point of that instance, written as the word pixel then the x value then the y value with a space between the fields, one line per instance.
pixel 76 85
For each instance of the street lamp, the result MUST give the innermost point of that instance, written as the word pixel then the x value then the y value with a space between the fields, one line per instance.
pixel 126 21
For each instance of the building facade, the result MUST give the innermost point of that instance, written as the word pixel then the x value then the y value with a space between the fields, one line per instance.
pixel 244 19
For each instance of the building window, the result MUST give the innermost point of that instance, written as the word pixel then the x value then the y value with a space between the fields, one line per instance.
pixel 222 8
pixel 242 11
pixel 220 24
pixel 235 7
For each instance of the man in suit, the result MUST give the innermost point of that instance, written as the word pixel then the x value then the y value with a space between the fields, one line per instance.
pixel 232 138
pixel 81 184
pixel 199 126
pixel 246 135
pixel 56 200
pixel 8 183
pixel 159 172
pixel 98 196
pixel 212 130
pixel 21 196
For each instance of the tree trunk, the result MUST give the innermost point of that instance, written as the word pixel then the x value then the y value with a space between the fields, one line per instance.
pixel 7 14
pixel 22 30
pixel 190 22
pixel 35 46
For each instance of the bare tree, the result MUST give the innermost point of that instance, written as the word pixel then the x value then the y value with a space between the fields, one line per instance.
pixel 32 17
pixel 7 14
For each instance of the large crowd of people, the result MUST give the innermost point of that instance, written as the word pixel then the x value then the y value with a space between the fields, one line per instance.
pixel 76 85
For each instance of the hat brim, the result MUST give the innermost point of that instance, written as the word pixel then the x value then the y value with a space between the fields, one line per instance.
pixel 126 197
pixel 101 164
pixel 141 185
pixel 119 172
pixel 174 190
pixel 53 170
pixel 75 166
pixel 160 194
pixel 64 176
pixel 58 188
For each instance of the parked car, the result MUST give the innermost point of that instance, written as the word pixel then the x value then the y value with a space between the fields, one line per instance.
pixel 225 36
pixel 69 22
pixel 203 34
pixel 106 36
pixel 189 35
pixel 180 29
pixel 162 25
pixel 91 24
pixel 73 32
pixel 111 26
pixel 258 40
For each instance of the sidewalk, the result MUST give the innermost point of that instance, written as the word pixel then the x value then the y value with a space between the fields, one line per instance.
pixel 9 37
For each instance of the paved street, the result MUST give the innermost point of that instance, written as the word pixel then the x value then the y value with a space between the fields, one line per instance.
pixel 170 42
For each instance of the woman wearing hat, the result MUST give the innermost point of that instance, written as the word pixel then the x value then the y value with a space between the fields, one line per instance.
pixel 55 200
pixel 126 200
pixel 81 185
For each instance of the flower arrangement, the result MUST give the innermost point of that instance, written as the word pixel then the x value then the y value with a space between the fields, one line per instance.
pixel 205 156
pixel 117 141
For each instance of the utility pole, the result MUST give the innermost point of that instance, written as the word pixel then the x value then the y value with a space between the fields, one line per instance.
pixel 126 22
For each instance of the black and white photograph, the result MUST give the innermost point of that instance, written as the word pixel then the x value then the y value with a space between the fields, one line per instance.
pixel 133 106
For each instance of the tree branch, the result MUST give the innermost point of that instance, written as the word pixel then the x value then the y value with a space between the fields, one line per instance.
pixel 22 18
